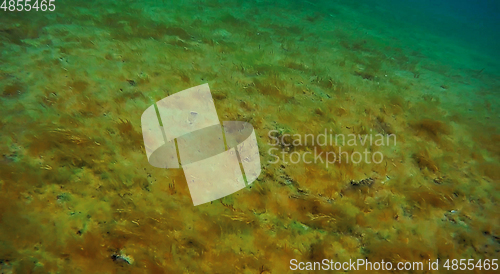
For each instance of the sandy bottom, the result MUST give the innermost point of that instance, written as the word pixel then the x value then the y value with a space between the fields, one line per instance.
pixel 77 194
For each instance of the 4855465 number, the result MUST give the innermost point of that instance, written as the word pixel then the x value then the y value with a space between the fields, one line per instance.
pixel 28 5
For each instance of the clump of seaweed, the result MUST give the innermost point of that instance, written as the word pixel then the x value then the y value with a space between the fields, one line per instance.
pixel 131 137
pixel 424 161
pixel 79 86
pixel 382 126
pixel 364 182
pixel 431 129
pixel 13 90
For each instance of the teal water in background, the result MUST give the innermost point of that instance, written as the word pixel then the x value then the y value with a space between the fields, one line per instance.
pixel 472 24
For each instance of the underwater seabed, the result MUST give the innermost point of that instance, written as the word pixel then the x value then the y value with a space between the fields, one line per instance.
pixel 77 194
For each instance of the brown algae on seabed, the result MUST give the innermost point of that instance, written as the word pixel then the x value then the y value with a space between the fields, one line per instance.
pixel 79 196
